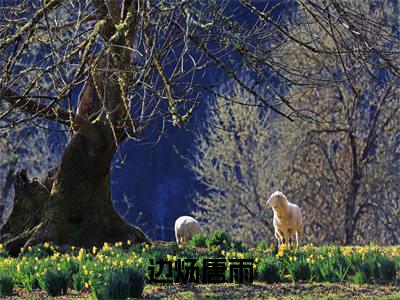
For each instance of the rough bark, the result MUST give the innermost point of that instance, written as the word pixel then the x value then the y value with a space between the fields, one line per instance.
pixel 78 209
pixel 350 223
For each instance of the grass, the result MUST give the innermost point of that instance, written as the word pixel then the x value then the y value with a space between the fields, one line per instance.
pixel 327 271
pixel 274 291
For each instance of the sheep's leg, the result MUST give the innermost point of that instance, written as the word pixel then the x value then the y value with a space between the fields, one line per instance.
pixel 178 238
pixel 187 237
pixel 299 235
pixel 278 237
pixel 290 236
pixel 287 238
pixel 283 237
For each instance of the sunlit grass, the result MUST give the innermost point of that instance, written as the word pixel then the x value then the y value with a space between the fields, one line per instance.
pixel 54 269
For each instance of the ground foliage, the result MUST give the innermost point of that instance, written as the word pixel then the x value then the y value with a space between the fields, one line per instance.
pixel 49 270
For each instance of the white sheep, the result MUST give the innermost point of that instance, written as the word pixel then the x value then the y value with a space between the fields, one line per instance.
pixel 287 219
pixel 185 228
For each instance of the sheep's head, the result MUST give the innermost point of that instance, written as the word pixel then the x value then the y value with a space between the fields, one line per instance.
pixel 277 199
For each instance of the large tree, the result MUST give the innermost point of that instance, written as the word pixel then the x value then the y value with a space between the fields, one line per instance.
pixel 339 161
pixel 344 165
pixel 141 64
pixel 233 165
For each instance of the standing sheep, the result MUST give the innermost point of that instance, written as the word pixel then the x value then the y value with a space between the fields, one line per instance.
pixel 185 228
pixel 287 219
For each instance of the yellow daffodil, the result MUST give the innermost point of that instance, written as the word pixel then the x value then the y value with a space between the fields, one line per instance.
pixel 106 247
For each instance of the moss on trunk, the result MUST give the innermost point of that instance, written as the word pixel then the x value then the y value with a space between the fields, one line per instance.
pixel 78 210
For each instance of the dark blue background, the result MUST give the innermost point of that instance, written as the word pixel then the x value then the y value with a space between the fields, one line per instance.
pixel 155 178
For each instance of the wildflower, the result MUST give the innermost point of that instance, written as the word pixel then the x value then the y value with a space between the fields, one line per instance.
pixel 81 254
pixel 281 251
pixel 86 285
pixel 1 247
pixel 106 247
pixel 330 254
pixel 46 245
pixel 129 242
pixel 94 250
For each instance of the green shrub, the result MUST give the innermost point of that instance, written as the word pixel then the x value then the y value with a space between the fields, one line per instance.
pixel 387 269
pixel 136 279
pixel 370 266
pixel 238 245
pixel 6 284
pixel 219 238
pixel 298 269
pixel 397 263
pixel 268 270
pixel 25 275
pixel 359 278
pixel 199 240
pixel 373 265
pixel 120 284
pixel 330 269
pixel 262 245
pixel 78 281
pixel 55 282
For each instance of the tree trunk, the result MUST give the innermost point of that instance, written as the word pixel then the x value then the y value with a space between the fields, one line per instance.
pixel 78 210
pixel 350 223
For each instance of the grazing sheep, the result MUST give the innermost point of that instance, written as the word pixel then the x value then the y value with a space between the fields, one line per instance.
pixel 287 219
pixel 185 228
